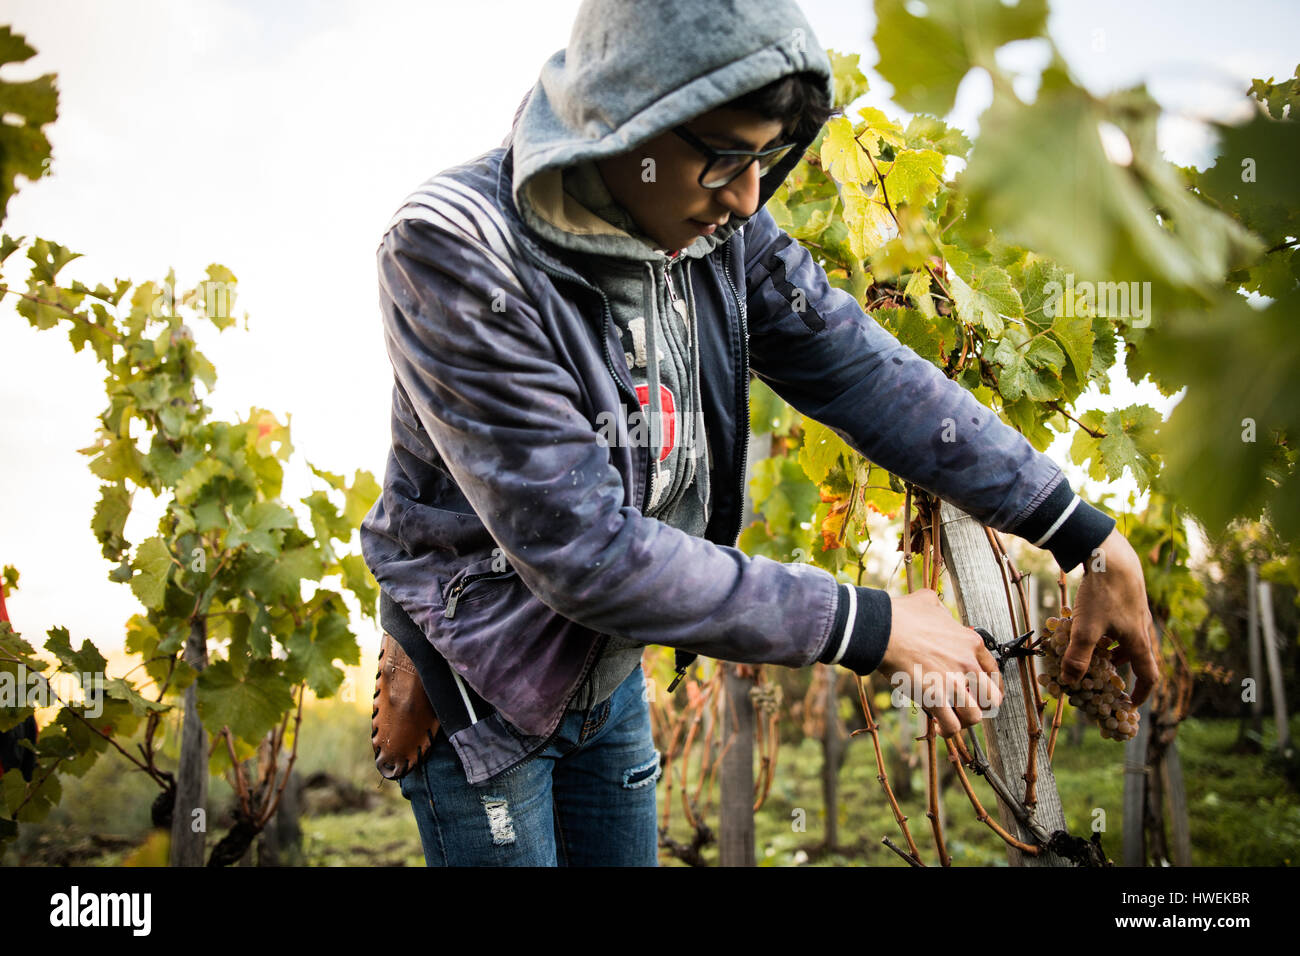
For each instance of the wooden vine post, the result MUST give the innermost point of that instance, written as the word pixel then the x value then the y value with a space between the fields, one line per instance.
pixel 1274 660
pixel 978 586
pixel 1252 643
pixel 736 812
pixel 189 812
pixel 736 836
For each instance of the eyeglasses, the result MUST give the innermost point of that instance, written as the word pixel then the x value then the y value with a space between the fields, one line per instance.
pixel 724 165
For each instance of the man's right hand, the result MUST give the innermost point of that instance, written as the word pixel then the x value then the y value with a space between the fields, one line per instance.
pixel 956 670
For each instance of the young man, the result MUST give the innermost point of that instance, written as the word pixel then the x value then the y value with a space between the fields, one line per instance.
pixel 536 531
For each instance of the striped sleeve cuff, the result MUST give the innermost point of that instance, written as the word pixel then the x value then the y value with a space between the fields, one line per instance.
pixel 1067 526
pixel 860 634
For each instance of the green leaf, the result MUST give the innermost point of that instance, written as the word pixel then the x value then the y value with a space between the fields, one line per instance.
pixel 313 649
pixel 914 330
pixel 337 482
pixel 926 49
pixel 109 521
pixel 932 132
pixel 914 177
pixel 257 526
pixel 153 562
pixel 879 129
pixel 88 660
pixel 986 298
pixel 1027 417
pixel 821 450
pixel 273 578
pixel 48 258
pixel 1130 442
pixel 1039 177
pixel 140 705
pixel 251 706
pixel 117 460
pixel 202 472
pixel 358 579
pixel 768 412
pixel 1029 366
pixel 850 83
pixel 326 521
pixel 782 493
pixel 1229 445
pixel 360 496
pixel 28 106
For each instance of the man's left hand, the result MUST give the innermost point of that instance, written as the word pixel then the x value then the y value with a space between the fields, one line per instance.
pixel 1111 603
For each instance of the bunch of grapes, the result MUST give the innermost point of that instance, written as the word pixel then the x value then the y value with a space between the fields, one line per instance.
pixel 1099 693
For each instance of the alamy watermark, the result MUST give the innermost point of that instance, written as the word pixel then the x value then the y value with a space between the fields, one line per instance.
pixel 24 688
pixel 1113 300
pixel 934 690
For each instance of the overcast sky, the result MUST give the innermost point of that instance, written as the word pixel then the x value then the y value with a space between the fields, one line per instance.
pixel 278 139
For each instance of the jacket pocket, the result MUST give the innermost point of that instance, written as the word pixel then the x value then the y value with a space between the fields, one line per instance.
pixel 473 583
pixel 516 652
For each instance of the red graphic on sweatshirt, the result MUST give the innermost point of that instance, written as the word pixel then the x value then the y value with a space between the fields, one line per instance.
pixel 667 416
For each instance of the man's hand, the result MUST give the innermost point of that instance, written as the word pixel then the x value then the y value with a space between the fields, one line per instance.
pixel 956 670
pixel 1112 603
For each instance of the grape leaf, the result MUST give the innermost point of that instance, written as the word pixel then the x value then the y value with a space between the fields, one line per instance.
pixel 843 156
pixel 820 451
pixel 109 521
pixel 251 706
pixel 926 49
pixel 986 299
pixel 914 177
pixel 29 105
pixel 850 83
pixel 152 563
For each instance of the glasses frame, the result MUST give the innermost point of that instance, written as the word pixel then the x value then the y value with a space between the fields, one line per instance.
pixel 713 155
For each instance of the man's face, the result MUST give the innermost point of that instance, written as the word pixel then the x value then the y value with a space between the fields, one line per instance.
pixel 671 205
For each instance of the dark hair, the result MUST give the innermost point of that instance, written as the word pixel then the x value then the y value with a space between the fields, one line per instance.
pixel 797 100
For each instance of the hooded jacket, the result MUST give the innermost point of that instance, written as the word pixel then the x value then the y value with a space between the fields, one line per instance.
pixel 513 539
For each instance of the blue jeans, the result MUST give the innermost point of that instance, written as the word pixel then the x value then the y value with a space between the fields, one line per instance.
pixel 586 799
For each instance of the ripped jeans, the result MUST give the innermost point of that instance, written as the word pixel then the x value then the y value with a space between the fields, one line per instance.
pixel 586 799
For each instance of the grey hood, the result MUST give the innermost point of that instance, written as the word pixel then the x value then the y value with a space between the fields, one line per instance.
pixel 633 70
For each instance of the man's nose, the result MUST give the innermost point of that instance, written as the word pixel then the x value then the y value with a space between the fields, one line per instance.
pixel 741 194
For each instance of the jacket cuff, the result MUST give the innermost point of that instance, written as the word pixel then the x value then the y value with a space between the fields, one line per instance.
pixel 860 634
pixel 1067 526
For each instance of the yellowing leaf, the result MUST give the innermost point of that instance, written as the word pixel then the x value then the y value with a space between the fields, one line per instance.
pixel 870 224
pixel 914 177
pixel 843 156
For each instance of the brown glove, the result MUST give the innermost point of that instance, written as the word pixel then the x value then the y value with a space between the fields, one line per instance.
pixel 402 724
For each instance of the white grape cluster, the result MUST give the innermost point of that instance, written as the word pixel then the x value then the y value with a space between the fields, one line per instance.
pixel 1099 693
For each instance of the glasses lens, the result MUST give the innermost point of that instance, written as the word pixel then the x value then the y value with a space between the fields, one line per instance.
pixel 767 163
pixel 727 168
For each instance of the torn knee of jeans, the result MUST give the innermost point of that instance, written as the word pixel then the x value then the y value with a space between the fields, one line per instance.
pixel 642 775
pixel 499 822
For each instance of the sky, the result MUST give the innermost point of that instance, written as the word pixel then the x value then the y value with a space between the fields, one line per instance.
pixel 278 139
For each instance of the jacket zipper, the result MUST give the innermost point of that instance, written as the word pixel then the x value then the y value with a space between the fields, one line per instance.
pixel 678 305
pixel 624 386
pixel 454 597
pixel 742 373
